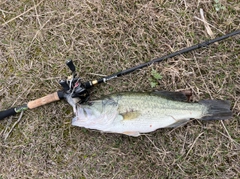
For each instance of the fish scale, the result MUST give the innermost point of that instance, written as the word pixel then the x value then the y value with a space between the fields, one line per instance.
pixel 155 103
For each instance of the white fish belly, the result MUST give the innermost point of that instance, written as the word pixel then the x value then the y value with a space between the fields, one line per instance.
pixel 148 123
pixel 139 125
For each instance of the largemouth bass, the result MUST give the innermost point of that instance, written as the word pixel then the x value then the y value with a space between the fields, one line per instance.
pixel 135 113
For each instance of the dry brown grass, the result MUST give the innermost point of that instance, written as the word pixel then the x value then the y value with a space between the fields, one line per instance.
pixel 103 37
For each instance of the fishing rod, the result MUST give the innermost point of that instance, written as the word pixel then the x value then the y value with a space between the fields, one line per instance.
pixel 79 90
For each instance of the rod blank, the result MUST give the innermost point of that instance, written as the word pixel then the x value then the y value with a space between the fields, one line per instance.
pixel 185 50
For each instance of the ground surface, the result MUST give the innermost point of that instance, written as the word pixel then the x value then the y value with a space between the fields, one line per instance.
pixel 103 37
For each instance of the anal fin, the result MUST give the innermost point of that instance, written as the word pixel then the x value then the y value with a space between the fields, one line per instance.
pixel 132 133
pixel 178 123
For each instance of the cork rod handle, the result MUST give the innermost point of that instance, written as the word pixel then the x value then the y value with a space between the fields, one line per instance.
pixel 44 100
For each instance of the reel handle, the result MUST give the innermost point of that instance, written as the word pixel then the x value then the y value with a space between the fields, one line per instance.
pixel 71 66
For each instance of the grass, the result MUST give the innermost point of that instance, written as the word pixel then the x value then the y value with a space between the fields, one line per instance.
pixel 103 37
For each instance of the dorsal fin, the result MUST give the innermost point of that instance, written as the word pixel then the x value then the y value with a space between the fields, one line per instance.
pixel 175 96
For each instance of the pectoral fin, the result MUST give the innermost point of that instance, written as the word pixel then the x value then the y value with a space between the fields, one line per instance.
pixel 130 115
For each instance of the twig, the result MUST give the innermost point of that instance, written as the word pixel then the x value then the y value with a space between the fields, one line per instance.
pixel 97 74
pixel 182 151
pixel 37 16
pixel 228 135
pixel 194 143
pixel 158 150
pixel 21 95
pixel 228 138
pixel 5 23
pixel 207 89
pixel 208 24
pixel 20 117
pixel 207 27
pixel 236 102
pixel 35 36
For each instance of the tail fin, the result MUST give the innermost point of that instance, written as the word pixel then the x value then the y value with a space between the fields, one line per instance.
pixel 217 109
